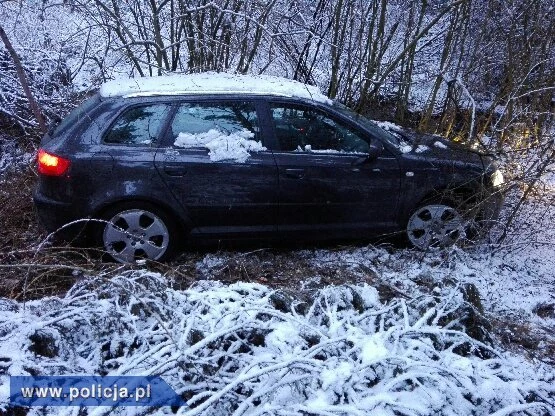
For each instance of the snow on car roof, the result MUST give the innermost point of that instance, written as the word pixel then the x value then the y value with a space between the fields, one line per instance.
pixel 211 83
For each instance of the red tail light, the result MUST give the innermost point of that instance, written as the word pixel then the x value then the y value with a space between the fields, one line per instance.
pixel 52 165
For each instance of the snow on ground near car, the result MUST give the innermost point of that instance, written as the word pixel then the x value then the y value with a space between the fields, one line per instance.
pixel 234 146
pixel 211 83
pixel 236 349
pixel 514 279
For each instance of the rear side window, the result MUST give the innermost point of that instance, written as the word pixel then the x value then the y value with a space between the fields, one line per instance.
pixel 138 126
pixel 228 130
pixel 199 122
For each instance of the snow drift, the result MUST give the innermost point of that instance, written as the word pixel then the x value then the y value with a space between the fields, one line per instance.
pixel 245 349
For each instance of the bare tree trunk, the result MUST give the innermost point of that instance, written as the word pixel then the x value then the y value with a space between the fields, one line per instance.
pixel 23 79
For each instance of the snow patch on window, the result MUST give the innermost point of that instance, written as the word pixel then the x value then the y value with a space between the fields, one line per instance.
pixel 440 145
pixel 223 146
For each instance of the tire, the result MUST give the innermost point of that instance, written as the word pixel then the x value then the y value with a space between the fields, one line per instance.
pixel 434 226
pixel 137 231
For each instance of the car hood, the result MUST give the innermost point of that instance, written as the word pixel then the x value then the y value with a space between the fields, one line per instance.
pixel 436 147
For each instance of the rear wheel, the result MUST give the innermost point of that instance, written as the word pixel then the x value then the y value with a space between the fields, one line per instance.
pixel 435 226
pixel 137 231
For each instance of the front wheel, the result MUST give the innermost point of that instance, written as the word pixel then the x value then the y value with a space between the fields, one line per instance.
pixel 435 226
pixel 137 232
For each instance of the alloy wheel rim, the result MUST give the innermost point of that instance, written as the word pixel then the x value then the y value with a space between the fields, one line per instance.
pixel 435 227
pixel 134 235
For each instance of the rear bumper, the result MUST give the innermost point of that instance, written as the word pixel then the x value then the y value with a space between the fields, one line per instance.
pixel 60 218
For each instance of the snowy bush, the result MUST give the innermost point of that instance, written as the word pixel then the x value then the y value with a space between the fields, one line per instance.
pixel 12 158
pixel 40 36
pixel 239 350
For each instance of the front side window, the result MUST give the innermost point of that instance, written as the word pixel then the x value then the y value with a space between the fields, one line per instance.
pixel 302 129
pixel 138 126
pixel 228 130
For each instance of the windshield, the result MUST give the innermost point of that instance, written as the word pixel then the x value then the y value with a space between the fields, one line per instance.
pixel 391 138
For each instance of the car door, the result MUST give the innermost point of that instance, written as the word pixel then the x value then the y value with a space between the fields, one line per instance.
pixel 214 163
pixel 329 183
pixel 122 166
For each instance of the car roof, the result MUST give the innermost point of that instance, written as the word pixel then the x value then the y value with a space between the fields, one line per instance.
pixel 211 83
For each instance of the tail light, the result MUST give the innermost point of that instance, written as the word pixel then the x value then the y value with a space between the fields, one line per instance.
pixel 52 165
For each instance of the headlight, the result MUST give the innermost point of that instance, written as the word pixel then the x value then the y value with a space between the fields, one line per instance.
pixel 497 178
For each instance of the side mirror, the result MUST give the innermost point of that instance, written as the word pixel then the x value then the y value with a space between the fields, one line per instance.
pixel 374 151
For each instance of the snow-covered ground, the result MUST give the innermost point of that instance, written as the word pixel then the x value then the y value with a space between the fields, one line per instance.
pixel 242 349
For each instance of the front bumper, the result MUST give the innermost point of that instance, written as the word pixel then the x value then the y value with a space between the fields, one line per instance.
pixel 491 206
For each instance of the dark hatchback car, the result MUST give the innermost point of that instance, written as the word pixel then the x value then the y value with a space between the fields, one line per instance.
pixel 168 159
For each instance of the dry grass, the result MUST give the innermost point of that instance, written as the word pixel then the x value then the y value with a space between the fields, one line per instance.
pixel 520 337
pixel 25 271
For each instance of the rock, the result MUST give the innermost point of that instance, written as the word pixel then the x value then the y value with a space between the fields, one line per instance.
pixel 357 301
pixel 472 295
pixel 282 301
pixel 44 343
pixel 285 301
pixel 545 310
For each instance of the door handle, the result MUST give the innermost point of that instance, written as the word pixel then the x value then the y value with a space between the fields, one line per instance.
pixel 294 173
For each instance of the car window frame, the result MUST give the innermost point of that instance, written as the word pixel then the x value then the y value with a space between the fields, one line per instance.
pixel 130 106
pixel 328 112
pixel 167 142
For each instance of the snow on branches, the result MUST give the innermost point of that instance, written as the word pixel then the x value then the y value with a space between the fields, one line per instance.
pixel 239 350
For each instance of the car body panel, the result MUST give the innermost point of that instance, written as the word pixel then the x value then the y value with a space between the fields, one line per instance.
pixel 336 193
pixel 222 197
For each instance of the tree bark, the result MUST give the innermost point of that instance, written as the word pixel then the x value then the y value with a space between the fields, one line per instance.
pixel 23 80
